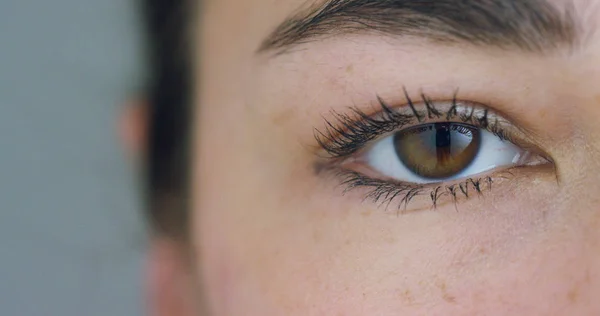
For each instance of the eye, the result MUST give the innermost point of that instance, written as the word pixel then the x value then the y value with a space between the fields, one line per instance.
pixel 440 152
pixel 426 149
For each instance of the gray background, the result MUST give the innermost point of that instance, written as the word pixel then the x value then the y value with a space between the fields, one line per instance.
pixel 71 238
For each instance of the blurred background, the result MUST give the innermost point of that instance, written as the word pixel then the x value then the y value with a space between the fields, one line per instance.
pixel 71 233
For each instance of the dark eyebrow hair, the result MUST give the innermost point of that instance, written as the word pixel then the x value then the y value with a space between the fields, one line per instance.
pixel 528 25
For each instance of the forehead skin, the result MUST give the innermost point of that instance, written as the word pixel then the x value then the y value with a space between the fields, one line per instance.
pixel 272 238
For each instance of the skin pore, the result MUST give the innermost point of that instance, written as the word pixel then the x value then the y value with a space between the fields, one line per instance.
pixel 270 236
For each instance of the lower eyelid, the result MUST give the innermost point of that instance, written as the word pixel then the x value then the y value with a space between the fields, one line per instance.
pixel 404 197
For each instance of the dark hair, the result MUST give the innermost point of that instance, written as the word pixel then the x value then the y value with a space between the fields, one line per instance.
pixel 170 114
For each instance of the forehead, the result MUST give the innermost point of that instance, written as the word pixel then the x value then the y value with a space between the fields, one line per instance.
pixel 252 18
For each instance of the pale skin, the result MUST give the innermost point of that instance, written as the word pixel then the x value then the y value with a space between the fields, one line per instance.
pixel 272 237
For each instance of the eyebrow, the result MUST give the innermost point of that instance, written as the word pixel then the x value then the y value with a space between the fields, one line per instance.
pixel 527 25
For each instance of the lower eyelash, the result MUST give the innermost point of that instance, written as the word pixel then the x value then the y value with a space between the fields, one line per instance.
pixel 461 188
pixel 380 191
pixel 384 193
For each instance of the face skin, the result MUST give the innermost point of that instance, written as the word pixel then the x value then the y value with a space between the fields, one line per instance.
pixel 270 236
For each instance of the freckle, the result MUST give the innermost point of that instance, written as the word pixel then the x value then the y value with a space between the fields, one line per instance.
pixel 573 295
pixel 482 250
pixel 445 295
pixel 350 69
pixel 407 297
pixel 477 296
pixel 598 99
pixel 542 113
pixel 587 278
pixel 316 234
pixel 449 298
pixel 442 286
pixel 335 82
pixel 367 213
pixel 284 117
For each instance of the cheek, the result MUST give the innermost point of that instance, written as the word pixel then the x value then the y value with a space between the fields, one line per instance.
pixel 267 256
pixel 549 277
pixel 270 244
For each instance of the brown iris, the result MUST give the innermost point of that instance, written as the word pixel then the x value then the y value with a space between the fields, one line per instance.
pixel 438 150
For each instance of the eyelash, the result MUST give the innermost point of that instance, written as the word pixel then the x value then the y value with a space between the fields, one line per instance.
pixel 348 134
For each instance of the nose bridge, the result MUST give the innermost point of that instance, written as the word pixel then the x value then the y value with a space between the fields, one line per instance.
pixel 579 165
pixel 580 189
pixel 580 207
pixel 584 182
pixel 589 257
pixel 576 227
pixel 575 240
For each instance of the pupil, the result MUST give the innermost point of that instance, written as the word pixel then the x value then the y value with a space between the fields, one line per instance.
pixel 438 150
pixel 442 135
pixel 442 142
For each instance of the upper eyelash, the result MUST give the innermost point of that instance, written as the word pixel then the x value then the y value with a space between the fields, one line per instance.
pixel 348 133
pixel 355 131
